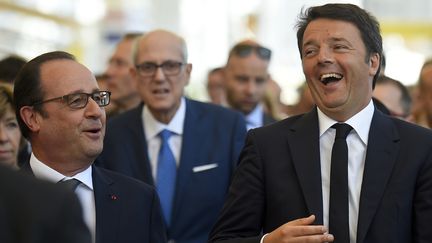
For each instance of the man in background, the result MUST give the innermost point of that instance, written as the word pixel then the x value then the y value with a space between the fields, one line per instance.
pixel 118 78
pixel 394 95
pixel 216 86
pixel 187 149
pixel 246 80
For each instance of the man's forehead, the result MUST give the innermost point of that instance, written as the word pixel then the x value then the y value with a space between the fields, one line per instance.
pixel 64 75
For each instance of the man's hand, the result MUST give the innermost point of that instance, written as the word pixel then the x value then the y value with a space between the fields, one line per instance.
pixel 299 230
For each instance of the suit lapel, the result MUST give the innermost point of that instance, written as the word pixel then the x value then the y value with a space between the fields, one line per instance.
pixel 108 207
pixel 382 150
pixel 188 157
pixel 303 140
pixel 136 133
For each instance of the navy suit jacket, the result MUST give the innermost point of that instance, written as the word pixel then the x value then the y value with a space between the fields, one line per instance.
pixel 279 180
pixel 212 135
pixel 127 210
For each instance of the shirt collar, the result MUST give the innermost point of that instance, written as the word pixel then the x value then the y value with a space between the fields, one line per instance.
pixel 42 171
pixel 153 127
pixel 255 117
pixel 360 122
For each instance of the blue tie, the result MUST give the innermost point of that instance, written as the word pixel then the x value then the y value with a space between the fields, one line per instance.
pixel 166 175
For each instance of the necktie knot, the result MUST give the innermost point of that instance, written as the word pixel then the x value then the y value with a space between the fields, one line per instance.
pixel 165 135
pixel 71 184
pixel 342 130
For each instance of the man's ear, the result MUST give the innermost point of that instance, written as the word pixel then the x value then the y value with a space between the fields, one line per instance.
pixel 30 118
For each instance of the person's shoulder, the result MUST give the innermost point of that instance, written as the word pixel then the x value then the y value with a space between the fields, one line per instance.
pixel 126 116
pixel 216 112
pixel 278 126
pixel 411 130
pixel 124 182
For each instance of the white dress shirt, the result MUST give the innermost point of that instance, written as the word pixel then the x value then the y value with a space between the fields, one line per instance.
pixel 255 118
pixel 84 191
pixel 152 128
pixel 357 144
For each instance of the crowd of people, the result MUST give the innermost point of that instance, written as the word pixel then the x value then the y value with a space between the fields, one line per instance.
pixel 130 158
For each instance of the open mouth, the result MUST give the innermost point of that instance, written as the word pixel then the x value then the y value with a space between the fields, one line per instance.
pixel 330 77
pixel 160 91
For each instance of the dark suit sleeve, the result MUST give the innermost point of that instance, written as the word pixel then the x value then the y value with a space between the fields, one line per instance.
pixel 239 135
pixel 158 234
pixel 422 232
pixel 72 228
pixel 242 214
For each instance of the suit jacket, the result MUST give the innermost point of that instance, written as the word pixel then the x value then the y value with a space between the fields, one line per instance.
pixel 33 211
pixel 212 139
pixel 127 210
pixel 279 180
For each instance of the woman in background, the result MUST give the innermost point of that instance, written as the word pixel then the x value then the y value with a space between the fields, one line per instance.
pixel 10 134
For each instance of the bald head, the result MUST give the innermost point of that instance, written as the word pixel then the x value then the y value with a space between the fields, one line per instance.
pixel 161 38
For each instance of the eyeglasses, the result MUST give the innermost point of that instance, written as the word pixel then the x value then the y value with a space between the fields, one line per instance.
pixel 245 50
pixel 169 68
pixel 80 100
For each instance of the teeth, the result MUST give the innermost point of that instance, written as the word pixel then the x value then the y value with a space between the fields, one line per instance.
pixel 330 75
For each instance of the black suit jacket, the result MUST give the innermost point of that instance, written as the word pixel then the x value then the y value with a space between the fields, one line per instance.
pixel 33 211
pixel 127 210
pixel 279 180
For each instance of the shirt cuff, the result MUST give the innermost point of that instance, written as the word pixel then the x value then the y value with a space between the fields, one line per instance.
pixel 262 239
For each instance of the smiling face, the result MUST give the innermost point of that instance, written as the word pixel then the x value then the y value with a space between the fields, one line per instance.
pixel 336 67
pixel 64 138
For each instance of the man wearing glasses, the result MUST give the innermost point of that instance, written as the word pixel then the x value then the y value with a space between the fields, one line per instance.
pixel 60 110
pixel 246 77
pixel 187 149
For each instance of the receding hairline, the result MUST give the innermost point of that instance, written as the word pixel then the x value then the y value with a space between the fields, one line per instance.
pixel 156 34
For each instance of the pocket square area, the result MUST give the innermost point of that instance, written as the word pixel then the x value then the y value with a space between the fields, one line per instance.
pixel 204 167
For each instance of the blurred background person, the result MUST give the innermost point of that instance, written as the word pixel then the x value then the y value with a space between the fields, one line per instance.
pixel 111 108
pixel 9 68
pixel 394 95
pixel 272 101
pixel 422 107
pixel 216 86
pixel 246 80
pixel 124 94
pixel 10 135
pixel 305 101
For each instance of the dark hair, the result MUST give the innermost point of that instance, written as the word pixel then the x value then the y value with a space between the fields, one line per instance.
pixel 366 23
pixel 6 99
pixel 28 89
pixel 405 95
pixel 9 68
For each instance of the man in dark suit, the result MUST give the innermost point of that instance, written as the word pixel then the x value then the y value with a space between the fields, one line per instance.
pixel 203 147
pixel 33 211
pixel 284 190
pixel 246 82
pixel 60 110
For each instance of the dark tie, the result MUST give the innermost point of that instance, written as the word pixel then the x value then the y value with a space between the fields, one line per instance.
pixel 338 212
pixel 71 184
pixel 166 175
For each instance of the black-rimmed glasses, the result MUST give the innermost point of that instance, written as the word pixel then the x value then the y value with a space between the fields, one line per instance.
pixel 244 50
pixel 169 68
pixel 80 100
